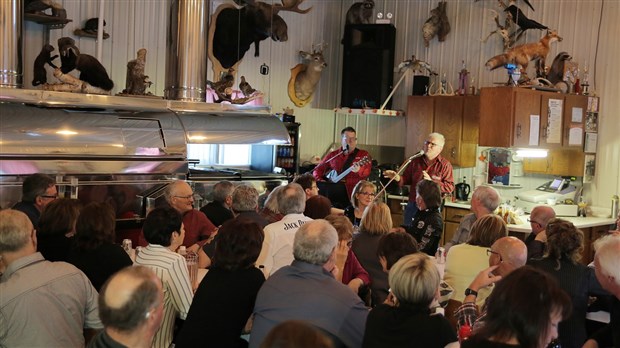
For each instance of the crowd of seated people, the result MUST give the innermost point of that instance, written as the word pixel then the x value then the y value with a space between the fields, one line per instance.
pixel 314 296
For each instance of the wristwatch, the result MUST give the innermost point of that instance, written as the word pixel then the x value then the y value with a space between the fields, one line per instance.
pixel 469 291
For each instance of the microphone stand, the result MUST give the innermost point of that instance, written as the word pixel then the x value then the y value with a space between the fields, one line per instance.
pixel 329 160
pixel 399 172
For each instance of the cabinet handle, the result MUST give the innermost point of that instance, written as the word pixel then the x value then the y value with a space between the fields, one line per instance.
pixel 518 130
pixel 545 130
pixel 458 216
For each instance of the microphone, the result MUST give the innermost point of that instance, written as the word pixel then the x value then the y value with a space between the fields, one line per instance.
pixel 345 150
pixel 419 154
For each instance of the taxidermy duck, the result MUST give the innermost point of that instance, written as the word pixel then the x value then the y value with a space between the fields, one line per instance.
pixel 223 87
pixel 245 87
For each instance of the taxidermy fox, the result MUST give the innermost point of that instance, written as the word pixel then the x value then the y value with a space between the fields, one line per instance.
pixel 522 54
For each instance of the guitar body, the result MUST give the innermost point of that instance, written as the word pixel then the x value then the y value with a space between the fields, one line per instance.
pixel 334 177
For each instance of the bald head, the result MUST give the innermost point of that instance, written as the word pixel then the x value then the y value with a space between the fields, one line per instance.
pixel 128 298
pixel 513 253
pixel 540 217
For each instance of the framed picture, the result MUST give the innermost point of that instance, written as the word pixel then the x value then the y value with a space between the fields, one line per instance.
pixel 589 168
pixel 592 122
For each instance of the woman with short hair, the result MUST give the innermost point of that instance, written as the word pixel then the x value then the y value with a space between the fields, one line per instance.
pixel 376 222
pixel 95 252
pixel 56 232
pixel 564 247
pixel 427 224
pixel 465 261
pixel 225 298
pixel 414 282
pixel 362 196
pixel 523 311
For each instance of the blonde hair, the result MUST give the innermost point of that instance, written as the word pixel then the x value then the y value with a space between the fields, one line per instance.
pixel 358 188
pixel 376 219
pixel 486 230
pixel 414 280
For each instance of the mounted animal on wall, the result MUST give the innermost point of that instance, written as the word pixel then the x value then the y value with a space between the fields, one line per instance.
pixel 233 30
pixel 305 76
pixel 360 12
pixel 523 54
pixel 44 57
pixel 437 24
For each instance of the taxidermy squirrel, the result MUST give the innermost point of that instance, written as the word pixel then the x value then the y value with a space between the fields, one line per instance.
pixel 360 12
pixel 45 56
pixel 522 54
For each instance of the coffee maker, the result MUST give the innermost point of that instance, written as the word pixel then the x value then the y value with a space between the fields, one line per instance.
pixel 461 190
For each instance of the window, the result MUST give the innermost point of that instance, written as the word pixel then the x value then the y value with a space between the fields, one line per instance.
pixel 223 155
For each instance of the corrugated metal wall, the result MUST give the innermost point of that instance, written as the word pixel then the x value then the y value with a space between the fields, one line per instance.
pixel 589 27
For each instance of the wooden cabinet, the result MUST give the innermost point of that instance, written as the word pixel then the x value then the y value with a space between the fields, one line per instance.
pixel 590 235
pixel 451 220
pixel 557 162
pixel 397 207
pixel 505 118
pixel 456 117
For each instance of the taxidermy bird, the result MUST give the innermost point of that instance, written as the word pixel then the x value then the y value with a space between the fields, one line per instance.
pixel 360 12
pixel 90 68
pixel 526 2
pixel 223 87
pixel 39 72
pixel 444 24
pixel 136 82
pixel 431 26
pixel 522 21
pixel 556 73
pixel 245 87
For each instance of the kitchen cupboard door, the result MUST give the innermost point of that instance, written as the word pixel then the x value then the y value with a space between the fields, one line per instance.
pixel 448 121
pixel 575 107
pixel 496 116
pixel 420 111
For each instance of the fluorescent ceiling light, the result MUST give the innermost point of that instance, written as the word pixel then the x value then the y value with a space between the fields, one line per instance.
pixel 532 153
pixel 197 138
pixel 66 132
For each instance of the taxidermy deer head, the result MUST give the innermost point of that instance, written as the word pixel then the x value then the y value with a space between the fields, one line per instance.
pixel 305 76
pixel 236 29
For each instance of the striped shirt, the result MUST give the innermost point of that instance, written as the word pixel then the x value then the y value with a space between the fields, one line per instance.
pixel 171 268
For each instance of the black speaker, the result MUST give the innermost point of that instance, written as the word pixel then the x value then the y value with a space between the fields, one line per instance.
pixel 368 65
pixel 420 85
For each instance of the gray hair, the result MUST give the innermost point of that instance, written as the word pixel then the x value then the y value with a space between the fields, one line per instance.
pixel 15 230
pixel 271 203
pixel 314 242
pixel 292 199
pixel 488 197
pixel 135 310
pixel 172 189
pixel 223 190
pixel 438 136
pixel 608 255
pixel 244 198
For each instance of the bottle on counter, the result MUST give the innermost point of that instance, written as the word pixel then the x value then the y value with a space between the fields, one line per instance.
pixel 614 206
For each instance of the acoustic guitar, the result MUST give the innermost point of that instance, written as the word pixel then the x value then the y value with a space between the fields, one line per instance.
pixel 334 177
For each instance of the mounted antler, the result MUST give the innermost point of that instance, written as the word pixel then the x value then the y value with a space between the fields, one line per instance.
pixel 291 6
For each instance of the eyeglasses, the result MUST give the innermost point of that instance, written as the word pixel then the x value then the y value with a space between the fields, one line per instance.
pixel 350 243
pixel 489 252
pixel 431 144
pixel 185 197
pixel 49 196
pixel 371 194
pixel 533 221
pixel 349 138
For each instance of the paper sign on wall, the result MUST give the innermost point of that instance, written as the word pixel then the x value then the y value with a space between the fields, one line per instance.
pixel 574 136
pixel 554 122
pixel 534 130
pixel 577 115
pixel 590 145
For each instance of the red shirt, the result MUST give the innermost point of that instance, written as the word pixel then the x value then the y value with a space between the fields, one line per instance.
pixel 439 169
pixel 197 227
pixel 353 269
pixel 337 163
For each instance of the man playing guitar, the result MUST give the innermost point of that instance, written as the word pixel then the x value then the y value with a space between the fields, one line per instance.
pixel 342 159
